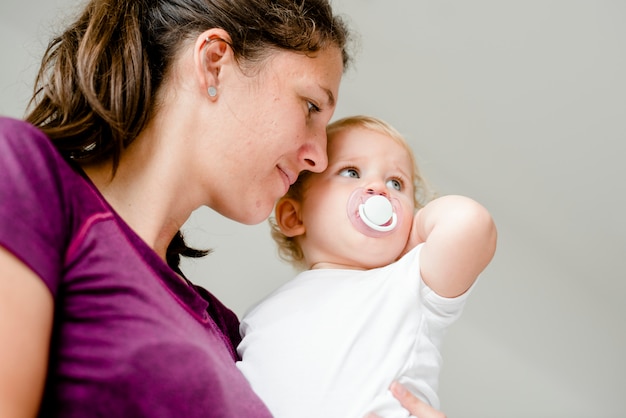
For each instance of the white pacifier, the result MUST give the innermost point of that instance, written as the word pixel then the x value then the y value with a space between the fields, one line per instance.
pixel 373 214
pixel 377 213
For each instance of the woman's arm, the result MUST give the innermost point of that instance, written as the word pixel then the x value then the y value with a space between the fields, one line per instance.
pixel 26 310
pixel 460 240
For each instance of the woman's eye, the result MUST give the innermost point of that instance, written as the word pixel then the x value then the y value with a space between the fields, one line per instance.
pixel 395 184
pixel 349 172
pixel 312 107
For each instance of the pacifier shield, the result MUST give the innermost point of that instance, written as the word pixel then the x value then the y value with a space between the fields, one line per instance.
pixel 372 214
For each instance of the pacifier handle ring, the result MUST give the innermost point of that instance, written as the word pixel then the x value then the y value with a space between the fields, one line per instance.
pixel 380 228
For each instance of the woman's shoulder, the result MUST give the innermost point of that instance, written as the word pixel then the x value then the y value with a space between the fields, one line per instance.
pixel 45 200
pixel 33 165
pixel 12 129
pixel 21 142
pixel 10 122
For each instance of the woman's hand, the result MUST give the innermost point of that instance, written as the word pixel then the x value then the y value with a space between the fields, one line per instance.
pixel 413 404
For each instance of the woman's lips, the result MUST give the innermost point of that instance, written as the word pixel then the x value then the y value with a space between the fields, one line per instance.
pixel 288 177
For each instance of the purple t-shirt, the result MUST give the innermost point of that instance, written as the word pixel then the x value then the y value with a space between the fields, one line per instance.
pixel 130 339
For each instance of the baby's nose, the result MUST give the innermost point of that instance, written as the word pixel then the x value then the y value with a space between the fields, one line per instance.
pixel 377 188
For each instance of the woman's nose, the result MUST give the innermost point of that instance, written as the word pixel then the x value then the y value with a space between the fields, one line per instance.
pixel 313 154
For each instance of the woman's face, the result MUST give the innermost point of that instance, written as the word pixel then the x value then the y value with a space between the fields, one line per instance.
pixel 273 127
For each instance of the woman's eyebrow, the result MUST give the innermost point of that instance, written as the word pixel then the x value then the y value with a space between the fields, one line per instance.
pixel 331 96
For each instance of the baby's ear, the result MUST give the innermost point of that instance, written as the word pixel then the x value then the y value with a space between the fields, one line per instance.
pixel 287 214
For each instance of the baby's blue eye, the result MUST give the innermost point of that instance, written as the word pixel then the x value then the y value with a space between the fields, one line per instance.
pixel 349 172
pixel 395 184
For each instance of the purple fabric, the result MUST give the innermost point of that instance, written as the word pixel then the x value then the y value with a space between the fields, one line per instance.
pixel 130 339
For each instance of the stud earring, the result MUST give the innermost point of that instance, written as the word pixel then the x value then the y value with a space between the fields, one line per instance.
pixel 212 91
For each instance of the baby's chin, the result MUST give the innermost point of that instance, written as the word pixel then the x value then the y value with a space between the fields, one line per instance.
pixel 382 260
pixel 379 264
pixel 365 263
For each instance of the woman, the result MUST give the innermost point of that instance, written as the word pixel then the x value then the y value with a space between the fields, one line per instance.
pixel 145 111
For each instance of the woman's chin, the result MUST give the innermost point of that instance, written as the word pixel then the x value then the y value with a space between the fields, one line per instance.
pixel 255 217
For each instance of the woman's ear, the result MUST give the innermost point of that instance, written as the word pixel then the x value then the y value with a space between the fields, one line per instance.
pixel 211 52
pixel 287 215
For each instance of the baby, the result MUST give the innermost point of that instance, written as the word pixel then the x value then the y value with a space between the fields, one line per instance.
pixel 385 274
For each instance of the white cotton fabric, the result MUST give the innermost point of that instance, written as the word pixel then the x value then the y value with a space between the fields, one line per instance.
pixel 330 342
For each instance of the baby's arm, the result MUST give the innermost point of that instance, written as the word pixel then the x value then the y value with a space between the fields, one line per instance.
pixel 459 238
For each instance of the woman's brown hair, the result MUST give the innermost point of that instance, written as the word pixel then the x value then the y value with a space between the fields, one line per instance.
pixel 98 84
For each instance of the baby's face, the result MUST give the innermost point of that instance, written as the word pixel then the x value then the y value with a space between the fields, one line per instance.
pixel 370 163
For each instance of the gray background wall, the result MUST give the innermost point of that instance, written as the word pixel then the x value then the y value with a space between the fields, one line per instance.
pixel 521 105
